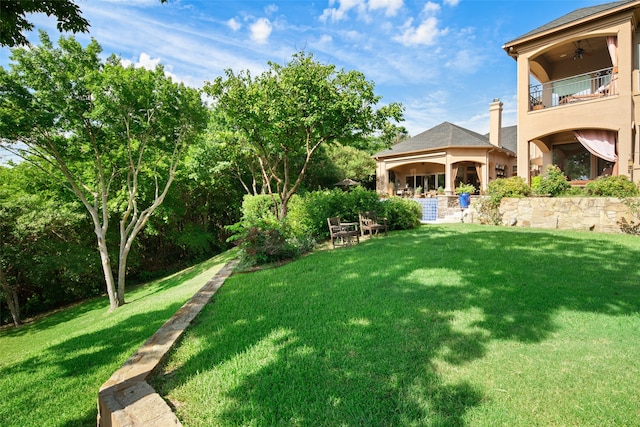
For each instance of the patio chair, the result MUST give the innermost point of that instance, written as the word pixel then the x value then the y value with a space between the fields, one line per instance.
pixel 370 222
pixel 345 231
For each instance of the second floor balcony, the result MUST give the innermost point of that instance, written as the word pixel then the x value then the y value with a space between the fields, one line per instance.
pixel 583 87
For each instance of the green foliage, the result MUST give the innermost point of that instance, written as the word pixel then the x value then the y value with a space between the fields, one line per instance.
pixel 262 237
pixel 401 213
pixel 115 135
pixel 508 187
pixel 465 188
pixel 612 186
pixel 535 183
pixel 488 206
pixel 279 119
pixel 14 23
pixel 553 182
pixel 308 213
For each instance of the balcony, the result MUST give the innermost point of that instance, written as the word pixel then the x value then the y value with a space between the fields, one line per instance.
pixel 579 88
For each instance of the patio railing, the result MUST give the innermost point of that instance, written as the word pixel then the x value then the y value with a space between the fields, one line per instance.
pixel 582 87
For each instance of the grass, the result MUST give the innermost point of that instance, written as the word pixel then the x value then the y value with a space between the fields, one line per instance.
pixel 441 326
pixel 51 369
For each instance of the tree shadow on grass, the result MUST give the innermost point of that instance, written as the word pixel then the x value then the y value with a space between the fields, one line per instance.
pixel 352 336
pixel 76 368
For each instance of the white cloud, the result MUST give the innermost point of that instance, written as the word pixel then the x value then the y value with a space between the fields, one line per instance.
pixel 261 30
pixel 234 24
pixel 339 13
pixel 391 6
pixel 424 34
pixel 271 9
pixel 430 8
pixel 147 62
pixel 451 2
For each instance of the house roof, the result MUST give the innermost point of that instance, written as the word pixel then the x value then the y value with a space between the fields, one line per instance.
pixel 571 17
pixel 509 138
pixel 447 135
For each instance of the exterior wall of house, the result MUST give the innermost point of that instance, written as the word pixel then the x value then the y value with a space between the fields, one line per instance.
pixel 617 113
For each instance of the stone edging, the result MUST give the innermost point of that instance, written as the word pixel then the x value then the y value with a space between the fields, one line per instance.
pixel 126 399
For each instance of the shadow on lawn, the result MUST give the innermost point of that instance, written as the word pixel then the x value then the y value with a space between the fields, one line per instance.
pixel 78 366
pixel 352 337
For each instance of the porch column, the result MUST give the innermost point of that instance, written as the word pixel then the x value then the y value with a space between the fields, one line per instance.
pixel 382 177
pixel 485 176
pixel 449 188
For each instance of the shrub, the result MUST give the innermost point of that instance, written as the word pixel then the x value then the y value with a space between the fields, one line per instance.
pixel 508 187
pixel 612 186
pixel 308 213
pixel 262 238
pixel 553 182
pixel 535 183
pixel 401 214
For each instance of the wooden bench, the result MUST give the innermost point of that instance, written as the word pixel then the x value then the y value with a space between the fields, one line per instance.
pixel 345 231
pixel 370 222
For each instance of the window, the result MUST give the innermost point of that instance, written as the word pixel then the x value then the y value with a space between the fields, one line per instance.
pixel 578 164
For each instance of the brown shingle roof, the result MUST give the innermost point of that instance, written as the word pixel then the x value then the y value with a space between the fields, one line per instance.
pixel 447 135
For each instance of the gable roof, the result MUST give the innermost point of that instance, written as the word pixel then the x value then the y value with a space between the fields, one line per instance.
pixel 571 17
pixel 445 135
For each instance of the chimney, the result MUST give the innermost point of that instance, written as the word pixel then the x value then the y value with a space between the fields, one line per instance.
pixel 495 122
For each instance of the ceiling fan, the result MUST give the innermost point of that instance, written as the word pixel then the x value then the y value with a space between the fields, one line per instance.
pixel 579 53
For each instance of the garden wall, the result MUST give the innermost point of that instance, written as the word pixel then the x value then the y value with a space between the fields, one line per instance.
pixel 564 213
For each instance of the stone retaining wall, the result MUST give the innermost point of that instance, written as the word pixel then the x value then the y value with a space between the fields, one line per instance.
pixel 565 213
pixel 126 399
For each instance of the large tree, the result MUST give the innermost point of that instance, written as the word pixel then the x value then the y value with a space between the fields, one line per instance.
pixel 278 120
pixel 115 133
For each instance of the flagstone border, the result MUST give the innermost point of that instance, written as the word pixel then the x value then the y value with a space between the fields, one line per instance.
pixel 126 399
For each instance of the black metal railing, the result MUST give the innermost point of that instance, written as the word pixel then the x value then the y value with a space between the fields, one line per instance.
pixel 582 87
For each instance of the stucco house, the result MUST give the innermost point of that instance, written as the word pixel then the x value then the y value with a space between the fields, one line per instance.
pixel 578 107
pixel 445 155
pixel 578 89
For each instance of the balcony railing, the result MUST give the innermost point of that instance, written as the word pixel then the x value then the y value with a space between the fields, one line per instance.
pixel 583 87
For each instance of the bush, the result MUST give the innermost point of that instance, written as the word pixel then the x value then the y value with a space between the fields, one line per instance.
pixel 508 187
pixel 401 214
pixel 308 213
pixel 612 186
pixel 553 182
pixel 264 239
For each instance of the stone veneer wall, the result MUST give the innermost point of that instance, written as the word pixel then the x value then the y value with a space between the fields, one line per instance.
pixel 126 399
pixel 565 213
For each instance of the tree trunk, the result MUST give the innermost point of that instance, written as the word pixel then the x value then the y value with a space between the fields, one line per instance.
pixel 12 298
pixel 108 273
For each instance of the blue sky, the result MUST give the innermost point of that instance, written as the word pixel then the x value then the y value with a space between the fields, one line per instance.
pixel 442 59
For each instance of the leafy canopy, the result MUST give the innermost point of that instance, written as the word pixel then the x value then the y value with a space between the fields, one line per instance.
pixel 280 118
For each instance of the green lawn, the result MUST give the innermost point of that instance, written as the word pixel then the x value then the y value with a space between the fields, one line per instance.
pixel 440 326
pixel 51 369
